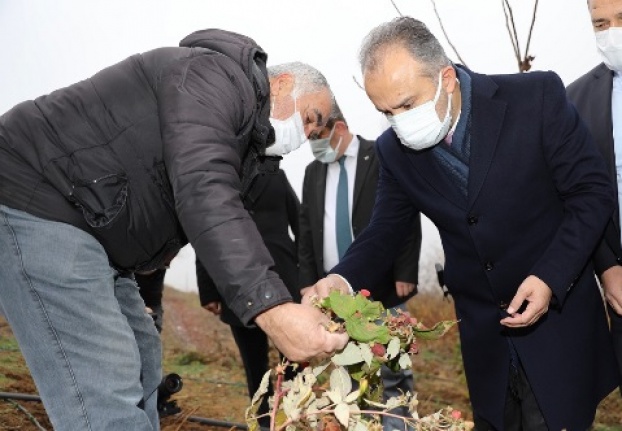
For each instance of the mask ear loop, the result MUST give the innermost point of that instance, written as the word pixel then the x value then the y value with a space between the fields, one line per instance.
pixel 438 88
pixel 338 145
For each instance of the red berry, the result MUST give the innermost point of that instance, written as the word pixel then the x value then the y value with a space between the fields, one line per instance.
pixel 366 293
pixel 378 350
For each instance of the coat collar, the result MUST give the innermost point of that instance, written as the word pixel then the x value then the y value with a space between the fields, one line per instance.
pixel 487 116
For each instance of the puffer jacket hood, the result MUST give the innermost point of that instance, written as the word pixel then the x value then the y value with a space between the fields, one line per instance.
pixel 252 59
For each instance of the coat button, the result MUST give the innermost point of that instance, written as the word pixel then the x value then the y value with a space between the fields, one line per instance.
pixel 267 294
pixel 619 260
pixel 489 266
pixel 472 220
pixel 249 304
pixel 503 305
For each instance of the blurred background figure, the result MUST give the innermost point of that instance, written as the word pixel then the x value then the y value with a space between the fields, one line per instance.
pixel 151 288
pixel 274 207
pixel 597 96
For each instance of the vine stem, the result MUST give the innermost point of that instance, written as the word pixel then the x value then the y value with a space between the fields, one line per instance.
pixel 278 394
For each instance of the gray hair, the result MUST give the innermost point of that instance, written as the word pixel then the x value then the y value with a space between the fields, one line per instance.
pixel 307 79
pixel 335 113
pixel 412 35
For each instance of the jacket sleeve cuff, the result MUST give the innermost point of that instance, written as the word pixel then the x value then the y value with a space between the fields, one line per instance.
pixel 259 298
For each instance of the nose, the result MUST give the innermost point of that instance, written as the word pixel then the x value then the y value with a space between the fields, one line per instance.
pixel 310 128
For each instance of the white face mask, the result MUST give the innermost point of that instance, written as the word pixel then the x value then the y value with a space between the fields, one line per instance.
pixel 609 45
pixel 289 134
pixel 420 128
pixel 321 149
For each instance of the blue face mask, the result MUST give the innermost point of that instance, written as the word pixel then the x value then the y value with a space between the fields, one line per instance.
pixel 321 149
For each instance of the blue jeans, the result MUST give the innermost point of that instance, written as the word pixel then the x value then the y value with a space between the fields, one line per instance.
pixel 93 351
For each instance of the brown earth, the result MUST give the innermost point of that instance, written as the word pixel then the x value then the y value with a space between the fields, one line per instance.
pixel 200 349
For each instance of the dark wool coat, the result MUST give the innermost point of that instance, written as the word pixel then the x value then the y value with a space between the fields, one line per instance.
pixel 538 200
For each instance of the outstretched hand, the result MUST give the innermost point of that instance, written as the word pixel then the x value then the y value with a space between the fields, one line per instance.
pixel 538 296
pixel 299 332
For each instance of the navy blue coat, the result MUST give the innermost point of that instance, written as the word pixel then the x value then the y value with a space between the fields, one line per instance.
pixel 538 200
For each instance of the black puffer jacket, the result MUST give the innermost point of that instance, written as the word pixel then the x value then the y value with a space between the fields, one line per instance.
pixel 150 153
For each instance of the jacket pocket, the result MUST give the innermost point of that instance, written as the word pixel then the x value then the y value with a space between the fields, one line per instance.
pixel 101 199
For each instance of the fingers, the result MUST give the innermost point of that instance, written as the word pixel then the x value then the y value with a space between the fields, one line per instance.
pixel 213 307
pixel 323 287
pixel 538 296
pixel 403 288
pixel 615 301
pixel 611 281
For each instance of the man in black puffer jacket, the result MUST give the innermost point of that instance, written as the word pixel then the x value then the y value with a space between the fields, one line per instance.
pixel 113 175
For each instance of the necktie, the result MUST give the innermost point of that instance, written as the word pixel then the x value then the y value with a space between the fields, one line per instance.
pixel 342 213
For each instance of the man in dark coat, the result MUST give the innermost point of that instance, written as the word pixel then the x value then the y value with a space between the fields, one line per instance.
pixel 597 96
pixel 274 208
pixel 112 175
pixel 506 170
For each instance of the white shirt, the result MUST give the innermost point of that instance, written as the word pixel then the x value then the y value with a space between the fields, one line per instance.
pixel 616 119
pixel 331 256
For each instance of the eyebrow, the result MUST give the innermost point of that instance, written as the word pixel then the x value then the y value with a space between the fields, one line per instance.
pixel 319 116
pixel 403 102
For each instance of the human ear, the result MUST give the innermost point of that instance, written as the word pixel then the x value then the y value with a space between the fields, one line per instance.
pixel 282 85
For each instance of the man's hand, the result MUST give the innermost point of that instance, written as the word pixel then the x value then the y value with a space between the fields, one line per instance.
pixel 404 288
pixel 214 307
pixel 612 287
pixel 537 294
pixel 323 287
pixel 299 333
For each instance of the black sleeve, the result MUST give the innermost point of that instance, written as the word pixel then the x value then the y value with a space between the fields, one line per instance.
pixel 406 266
pixel 206 119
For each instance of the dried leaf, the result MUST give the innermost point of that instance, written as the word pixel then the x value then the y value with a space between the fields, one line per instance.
pixel 349 356
pixel 434 333
pixel 366 353
pixel 263 387
pixel 393 349
pixel 405 361
pixel 340 381
pixel 342 413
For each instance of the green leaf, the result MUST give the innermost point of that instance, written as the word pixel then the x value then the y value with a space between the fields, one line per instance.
pixel 342 305
pixel 366 332
pixel 370 310
pixel 434 333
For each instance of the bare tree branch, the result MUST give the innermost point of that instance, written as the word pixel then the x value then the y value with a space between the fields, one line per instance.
pixel 440 21
pixel 357 83
pixel 395 6
pixel 509 23
pixel 528 58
